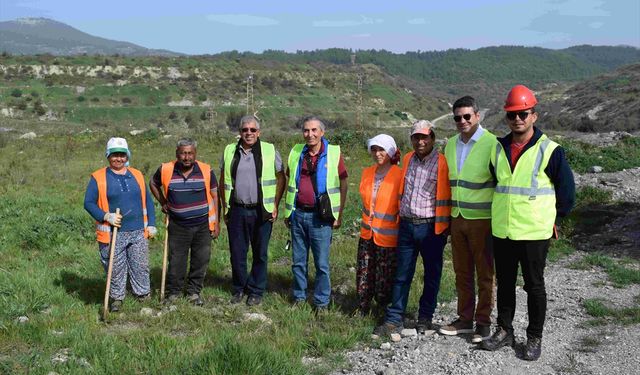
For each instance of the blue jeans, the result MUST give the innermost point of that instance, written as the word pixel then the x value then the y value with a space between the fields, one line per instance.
pixel 308 230
pixel 247 228
pixel 414 239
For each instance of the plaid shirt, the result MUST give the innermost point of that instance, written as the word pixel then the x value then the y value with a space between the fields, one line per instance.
pixel 419 197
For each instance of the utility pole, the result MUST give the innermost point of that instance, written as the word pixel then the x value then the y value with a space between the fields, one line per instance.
pixel 359 119
pixel 249 94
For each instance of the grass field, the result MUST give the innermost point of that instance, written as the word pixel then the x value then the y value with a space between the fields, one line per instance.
pixel 51 274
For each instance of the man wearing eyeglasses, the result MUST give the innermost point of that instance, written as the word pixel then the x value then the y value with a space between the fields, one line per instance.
pixel 316 194
pixel 252 183
pixel 468 154
pixel 535 190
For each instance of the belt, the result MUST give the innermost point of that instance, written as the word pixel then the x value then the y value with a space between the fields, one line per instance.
pixel 306 208
pixel 243 205
pixel 419 220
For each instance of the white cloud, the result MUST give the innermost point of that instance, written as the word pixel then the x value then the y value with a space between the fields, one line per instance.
pixel 242 20
pixel 596 25
pixel 347 23
pixel 579 8
pixel 364 35
pixel 417 21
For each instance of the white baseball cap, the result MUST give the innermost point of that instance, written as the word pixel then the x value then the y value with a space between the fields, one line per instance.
pixel 117 145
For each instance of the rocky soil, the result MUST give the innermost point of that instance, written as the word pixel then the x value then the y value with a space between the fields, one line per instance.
pixel 570 346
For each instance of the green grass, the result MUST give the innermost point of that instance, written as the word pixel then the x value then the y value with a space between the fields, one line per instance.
pixel 614 158
pixel 605 314
pixel 588 196
pixel 617 273
pixel 50 272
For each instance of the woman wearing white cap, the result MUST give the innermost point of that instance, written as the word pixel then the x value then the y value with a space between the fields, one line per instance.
pixel 379 190
pixel 123 187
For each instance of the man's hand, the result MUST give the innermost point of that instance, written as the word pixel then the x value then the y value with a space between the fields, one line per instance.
pixel 216 231
pixel 287 222
pixel 113 219
pixel 165 208
pixel 337 223
pixel 274 214
pixel 153 231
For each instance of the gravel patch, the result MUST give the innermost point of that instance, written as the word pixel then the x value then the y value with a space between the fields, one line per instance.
pixel 569 346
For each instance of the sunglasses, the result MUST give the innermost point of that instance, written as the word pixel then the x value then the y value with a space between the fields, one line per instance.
pixel 466 116
pixel 246 130
pixel 522 114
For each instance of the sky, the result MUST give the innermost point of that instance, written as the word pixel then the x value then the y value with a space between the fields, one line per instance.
pixel 207 27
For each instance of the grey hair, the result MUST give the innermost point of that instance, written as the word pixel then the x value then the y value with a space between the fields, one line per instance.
pixel 247 120
pixel 306 119
pixel 186 142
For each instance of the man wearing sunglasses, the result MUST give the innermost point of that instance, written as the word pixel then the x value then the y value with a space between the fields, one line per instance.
pixel 468 154
pixel 251 184
pixel 534 190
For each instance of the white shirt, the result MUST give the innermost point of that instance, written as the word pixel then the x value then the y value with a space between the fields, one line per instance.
pixel 463 149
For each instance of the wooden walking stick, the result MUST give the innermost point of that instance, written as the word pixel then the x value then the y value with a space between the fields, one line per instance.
pixel 112 249
pixel 164 257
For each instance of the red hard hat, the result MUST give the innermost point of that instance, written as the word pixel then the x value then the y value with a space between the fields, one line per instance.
pixel 519 99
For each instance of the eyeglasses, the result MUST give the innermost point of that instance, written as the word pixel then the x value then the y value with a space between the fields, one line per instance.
pixel 246 130
pixel 466 116
pixel 522 114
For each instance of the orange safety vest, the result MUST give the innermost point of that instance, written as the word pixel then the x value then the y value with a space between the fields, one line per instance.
pixel 443 191
pixel 166 172
pixel 381 221
pixel 103 228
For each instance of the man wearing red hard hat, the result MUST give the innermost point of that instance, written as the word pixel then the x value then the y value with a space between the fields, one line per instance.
pixel 534 190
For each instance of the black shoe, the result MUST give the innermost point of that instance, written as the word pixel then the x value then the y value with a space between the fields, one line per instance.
pixel 298 304
pixel 500 338
pixel 144 297
pixel 195 299
pixel 424 325
pixel 170 299
pixel 482 333
pixel 254 300
pixel 236 298
pixel 386 329
pixel 115 306
pixel 321 310
pixel 532 349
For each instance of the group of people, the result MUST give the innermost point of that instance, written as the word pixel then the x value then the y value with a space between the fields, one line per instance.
pixel 500 199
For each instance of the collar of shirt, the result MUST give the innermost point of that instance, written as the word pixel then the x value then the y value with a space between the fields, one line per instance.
pixel 474 138
pixel 431 155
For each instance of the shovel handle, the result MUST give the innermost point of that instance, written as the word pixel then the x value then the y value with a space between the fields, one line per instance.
pixel 165 255
pixel 112 250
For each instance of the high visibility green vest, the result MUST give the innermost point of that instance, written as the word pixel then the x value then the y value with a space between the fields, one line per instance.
pixel 524 201
pixel 472 189
pixel 267 180
pixel 332 180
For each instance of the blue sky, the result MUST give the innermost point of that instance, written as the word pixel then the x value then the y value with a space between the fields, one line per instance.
pixel 200 26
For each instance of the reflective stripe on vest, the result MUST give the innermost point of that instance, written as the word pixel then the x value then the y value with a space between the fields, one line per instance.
pixel 524 202
pixel 382 222
pixel 472 189
pixel 267 180
pixel 103 228
pixel 443 191
pixel 332 180
pixel 166 172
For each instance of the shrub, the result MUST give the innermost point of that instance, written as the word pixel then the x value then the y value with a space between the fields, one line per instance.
pixel 16 93
pixel 126 100
pixel 173 115
pixel 81 98
pixel 233 119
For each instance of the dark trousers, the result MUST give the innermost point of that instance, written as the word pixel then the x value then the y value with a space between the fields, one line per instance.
pixel 182 241
pixel 414 239
pixel 247 228
pixel 531 256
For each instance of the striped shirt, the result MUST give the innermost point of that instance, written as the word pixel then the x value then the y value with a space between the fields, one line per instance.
pixel 419 197
pixel 187 200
